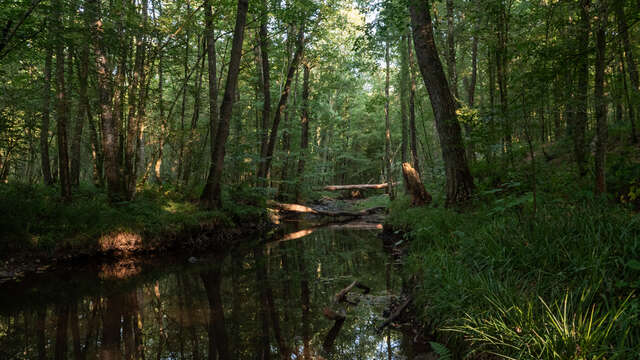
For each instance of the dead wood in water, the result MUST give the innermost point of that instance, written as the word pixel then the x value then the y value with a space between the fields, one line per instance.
pixel 396 313
pixel 415 188
pixel 342 295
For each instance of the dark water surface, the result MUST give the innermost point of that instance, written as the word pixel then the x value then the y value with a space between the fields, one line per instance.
pixel 255 303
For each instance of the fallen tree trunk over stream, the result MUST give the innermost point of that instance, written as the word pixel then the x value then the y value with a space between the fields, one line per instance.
pixel 356 187
pixel 297 208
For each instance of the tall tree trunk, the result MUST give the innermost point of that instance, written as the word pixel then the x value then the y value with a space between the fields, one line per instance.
pixel 83 112
pixel 412 110
pixel 62 107
pixel 580 123
pixel 471 95
pixel 630 110
pixel 193 134
pixel 623 30
pixel 182 109
pixel 213 94
pixel 599 98
pixel 459 180
pixel 267 156
pixel 157 167
pixel 44 130
pixel 304 126
pixel 266 89
pixel 109 124
pixel 404 84
pixel 211 196
pixel 451 51
pixel 96 153
pixel 136 96
pixel 387 125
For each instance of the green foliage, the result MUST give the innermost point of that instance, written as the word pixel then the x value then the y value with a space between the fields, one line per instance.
pixel 483 275
pixel 37 219
pixel 441 350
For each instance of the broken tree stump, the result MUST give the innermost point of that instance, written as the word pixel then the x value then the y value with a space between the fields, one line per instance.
pixel 342 295
pixel 414 186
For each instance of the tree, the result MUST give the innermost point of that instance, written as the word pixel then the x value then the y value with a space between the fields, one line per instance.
pixel 62 108
pixel 212 194
pixel 459 180
pixel 108 124
pixel 599 98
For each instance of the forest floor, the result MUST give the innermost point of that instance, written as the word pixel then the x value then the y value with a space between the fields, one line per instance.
pixel 512 278
pixel 38 231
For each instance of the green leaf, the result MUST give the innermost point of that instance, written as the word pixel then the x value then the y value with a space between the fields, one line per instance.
pixel 634 264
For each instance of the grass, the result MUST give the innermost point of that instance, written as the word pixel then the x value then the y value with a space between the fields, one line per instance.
pixel 35 219
pixel 499 280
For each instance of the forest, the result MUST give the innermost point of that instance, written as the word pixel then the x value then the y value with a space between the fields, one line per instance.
pixel 259 147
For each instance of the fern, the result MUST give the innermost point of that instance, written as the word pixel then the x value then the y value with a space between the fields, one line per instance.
pixel 441 350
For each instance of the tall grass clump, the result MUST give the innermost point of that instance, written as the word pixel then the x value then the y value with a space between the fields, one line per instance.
pixel 558 284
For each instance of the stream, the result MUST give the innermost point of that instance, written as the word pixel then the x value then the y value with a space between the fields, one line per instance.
pixel 261 301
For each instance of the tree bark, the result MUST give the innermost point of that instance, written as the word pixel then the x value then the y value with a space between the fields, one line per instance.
pixel 474 72
pixel 266 89
pixel 580 122
pixel 451 50
pixel 211 196
pixel 44 130
pixel 108 123
pixel 404 84
pixel 213 85
pixel 459 180
pixel 599 98
pixel 267 156
pixel 304 126
pixel 193 134
pixel 412 110
pixel 83 112
pixel 387 123
pixel 623 30
pixel 62 108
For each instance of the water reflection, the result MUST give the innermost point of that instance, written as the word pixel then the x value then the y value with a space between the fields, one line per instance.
pixel 262 303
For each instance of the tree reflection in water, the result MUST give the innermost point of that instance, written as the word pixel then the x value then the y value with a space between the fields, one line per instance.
pixel 265 303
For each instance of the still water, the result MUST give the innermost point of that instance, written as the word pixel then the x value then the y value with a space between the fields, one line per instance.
pixel 263 302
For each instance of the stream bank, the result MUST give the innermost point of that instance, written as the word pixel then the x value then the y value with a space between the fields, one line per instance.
pixel 278 288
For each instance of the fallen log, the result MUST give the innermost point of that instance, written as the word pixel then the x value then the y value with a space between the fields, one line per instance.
pixel 297 208
pixel 414 186
pixel 396 313
pixel 356 187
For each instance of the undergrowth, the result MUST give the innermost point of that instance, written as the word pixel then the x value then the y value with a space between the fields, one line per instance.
pixel 507 279
pixel 35 218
